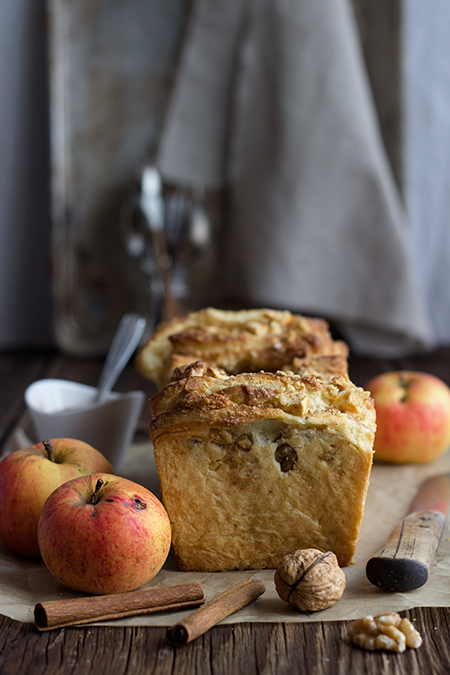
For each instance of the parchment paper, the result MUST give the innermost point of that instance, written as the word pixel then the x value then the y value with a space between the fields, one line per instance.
pixel 23 582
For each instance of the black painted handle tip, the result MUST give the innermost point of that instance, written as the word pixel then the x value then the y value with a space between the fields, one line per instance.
pixel 397 575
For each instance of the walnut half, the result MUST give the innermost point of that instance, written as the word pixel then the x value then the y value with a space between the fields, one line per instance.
pixel 310 579
pixel 385 631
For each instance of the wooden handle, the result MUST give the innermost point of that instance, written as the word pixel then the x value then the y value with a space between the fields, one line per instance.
pixel 408 555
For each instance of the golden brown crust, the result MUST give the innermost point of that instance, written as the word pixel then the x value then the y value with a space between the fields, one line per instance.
pixel 255 466
pixel 243 341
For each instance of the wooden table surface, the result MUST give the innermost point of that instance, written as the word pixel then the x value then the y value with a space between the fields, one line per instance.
pixel 319 648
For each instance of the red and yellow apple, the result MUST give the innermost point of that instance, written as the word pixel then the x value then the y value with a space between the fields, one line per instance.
pixel 29 476
pixel 103 534
pixel 413 416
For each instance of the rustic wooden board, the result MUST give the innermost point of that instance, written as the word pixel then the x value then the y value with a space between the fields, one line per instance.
pixel 243 649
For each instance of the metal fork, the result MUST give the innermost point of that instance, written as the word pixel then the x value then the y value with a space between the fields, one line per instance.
pixel 162 234
pixel 138 245
pixel 176 227
pixel 176 223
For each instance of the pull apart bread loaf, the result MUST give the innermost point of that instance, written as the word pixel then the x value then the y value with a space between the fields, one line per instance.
pixel 258 465
pixel 243 341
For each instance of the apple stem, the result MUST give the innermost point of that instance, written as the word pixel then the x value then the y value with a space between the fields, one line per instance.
pixel 404 384
pixel 48 445
pixel 94 498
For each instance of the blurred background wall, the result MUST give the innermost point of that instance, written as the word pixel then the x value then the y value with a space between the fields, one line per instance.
pixel 426 101
pixel 409 68
pixel 25 300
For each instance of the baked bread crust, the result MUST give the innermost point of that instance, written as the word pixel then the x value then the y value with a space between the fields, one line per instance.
pixel 243 341
pixel 255 466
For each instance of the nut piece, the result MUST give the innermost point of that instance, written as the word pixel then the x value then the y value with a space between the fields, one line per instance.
pixel 310 579
pixel 286 457
pixel 385 631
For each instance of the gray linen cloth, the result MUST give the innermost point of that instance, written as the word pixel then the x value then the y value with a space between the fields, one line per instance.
pixel 272 102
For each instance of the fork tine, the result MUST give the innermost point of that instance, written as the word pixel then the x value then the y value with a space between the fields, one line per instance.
pixel 176 219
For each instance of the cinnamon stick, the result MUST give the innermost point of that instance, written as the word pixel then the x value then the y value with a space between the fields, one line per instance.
pixel 215 610
pixel 77 611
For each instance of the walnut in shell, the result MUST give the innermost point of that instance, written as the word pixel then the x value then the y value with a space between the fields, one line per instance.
pixel 310 579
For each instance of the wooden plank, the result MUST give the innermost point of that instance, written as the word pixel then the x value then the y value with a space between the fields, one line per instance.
pixel 247 649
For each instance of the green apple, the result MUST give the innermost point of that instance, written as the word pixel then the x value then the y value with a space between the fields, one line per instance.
pixel 29 476
pixel 413 416
pixel 103 534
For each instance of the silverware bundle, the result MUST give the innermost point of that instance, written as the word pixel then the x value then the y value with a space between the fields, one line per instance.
pixel 163 230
